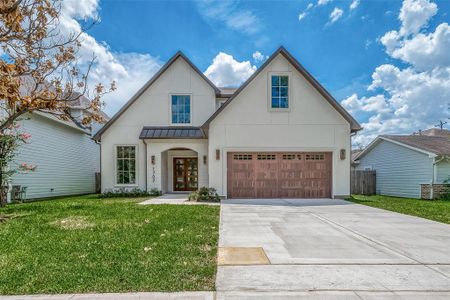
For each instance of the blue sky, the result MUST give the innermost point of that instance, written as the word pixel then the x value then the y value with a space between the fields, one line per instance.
pixel 340 42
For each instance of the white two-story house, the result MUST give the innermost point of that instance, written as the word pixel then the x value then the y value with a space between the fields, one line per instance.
pixel 279 135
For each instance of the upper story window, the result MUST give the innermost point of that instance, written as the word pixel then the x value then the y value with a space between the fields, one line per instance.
pixel 126 165
pixel 280 92
pixel 181 109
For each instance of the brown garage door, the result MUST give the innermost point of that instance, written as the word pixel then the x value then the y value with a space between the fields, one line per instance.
pixel 279 175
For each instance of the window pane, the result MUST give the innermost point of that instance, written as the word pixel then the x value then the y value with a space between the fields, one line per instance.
pixel 283 81
pixel 126 165
pixel 132 165
pixel 174 117
pixel 275 92
pixel 283 91
pixel 132 178
pixel 275 80
pixel 119 152
pixel 283 103
pixel 132 152
pixel 275 103
pixel 120 178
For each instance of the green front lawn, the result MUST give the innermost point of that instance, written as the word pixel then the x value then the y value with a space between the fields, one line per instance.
pixel 436 210
pixel 84 244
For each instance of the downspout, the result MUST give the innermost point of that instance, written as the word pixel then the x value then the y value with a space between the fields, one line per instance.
pixel 352 134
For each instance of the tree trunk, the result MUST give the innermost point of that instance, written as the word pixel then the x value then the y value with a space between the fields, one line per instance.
pixel 3 189
pixel 3 195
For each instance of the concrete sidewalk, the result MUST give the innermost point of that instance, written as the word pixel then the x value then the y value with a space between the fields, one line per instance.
pixel 118 296
pixel 306 295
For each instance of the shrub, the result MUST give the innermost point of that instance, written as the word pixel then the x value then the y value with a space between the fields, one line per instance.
pixel 124 193
pixel 155 192
pixel 204 194
pixel 446 194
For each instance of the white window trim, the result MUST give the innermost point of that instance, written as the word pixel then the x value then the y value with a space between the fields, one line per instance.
pixel 170 109
pixel 136 167
pixel 269 92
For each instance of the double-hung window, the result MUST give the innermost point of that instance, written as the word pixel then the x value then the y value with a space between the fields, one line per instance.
pixel 126 165
pixel 181 109
pixel 280 92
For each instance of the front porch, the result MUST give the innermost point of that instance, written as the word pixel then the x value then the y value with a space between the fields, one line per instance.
pixel 176 166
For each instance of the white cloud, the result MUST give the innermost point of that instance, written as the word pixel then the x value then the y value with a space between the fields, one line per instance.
pixel 302 15
pixel 259 57
pixel 225 71
pixel 415 15
pixel 228 13
pixel 354 4
pixel 414 97
pixel 423 51
pixel 336 14
pixel 129 70
pixel 310 5
pixel 323 2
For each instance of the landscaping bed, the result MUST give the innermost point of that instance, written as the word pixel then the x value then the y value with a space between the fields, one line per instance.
pixel 85 244
pixel 437 210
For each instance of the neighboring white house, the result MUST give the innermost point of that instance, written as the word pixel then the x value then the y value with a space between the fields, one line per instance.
pixel 408 165
pixel 64 153
pixel 280 134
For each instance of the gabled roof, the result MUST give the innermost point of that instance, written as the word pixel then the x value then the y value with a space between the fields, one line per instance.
pixel 148 84
pixel 354 125
pixel 429 145
pixel 172 132
pixel 232 93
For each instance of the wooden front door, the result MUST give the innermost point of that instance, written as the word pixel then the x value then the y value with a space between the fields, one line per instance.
pixel 185 174
pixel 279 175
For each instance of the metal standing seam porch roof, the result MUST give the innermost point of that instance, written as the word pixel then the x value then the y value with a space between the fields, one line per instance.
pixel 171 132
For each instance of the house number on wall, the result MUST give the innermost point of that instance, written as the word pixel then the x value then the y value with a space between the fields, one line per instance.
pixel 153 176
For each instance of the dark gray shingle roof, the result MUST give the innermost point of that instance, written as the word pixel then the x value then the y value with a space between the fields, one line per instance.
pixel 171 132
pixel 434 144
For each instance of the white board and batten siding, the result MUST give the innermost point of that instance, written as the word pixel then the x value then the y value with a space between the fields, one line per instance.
pixel 400 170
pixel 66 159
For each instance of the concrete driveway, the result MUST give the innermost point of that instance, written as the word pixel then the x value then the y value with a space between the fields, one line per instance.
pixel 333 249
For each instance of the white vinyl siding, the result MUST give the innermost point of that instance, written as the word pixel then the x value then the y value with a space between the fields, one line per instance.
pixel 400 170
pixel 442 171
pixel 66 159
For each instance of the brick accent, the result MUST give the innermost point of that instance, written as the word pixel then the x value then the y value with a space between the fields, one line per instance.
pixel 438 190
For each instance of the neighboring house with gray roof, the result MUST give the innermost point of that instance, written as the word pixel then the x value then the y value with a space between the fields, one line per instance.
pixel 408 165
pixel 64 153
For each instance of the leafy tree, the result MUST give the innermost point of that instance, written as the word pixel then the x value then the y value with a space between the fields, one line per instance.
pixel 40 71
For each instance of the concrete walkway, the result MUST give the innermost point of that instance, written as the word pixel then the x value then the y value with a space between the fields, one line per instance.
pixel 336 247
pixel 179 199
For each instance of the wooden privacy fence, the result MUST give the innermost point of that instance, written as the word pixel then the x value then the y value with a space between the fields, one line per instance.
pixel 363 182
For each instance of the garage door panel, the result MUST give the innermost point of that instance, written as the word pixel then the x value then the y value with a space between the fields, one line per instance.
pixel 279 175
